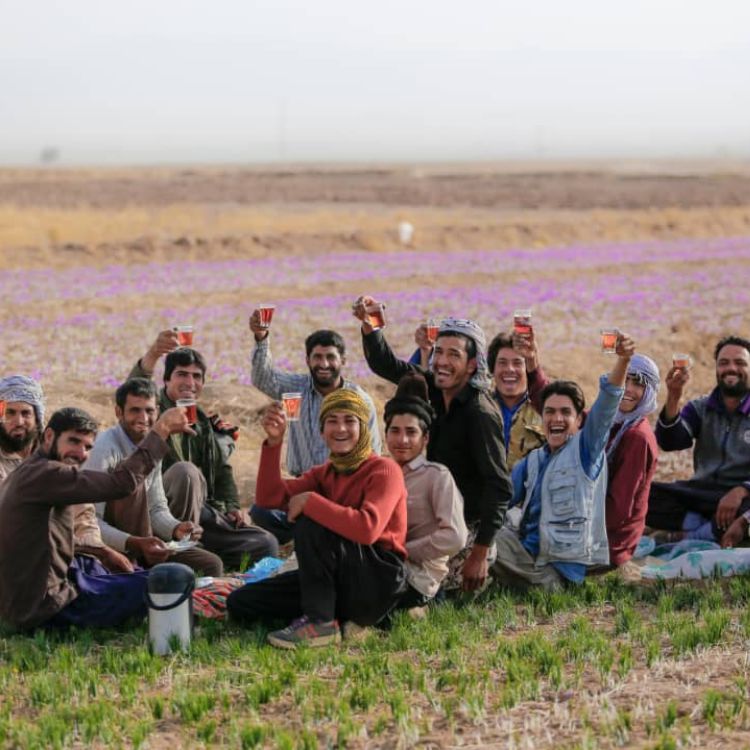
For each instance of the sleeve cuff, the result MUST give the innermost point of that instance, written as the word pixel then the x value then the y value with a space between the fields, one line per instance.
pixel 607 387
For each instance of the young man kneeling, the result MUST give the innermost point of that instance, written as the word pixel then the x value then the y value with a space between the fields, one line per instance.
pixel 349 536
pixel 562 488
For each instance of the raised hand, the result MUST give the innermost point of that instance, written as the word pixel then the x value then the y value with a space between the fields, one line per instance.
pixel 274 423
pixel 165 343
pixel 259 330
pixel 172 421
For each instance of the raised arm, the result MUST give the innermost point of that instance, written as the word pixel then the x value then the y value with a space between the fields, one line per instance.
pixel 379 355
pixel 73 485
pixel 265 377
pixel 165 342
pixel 676 430
pixel 272 491
pixel 600 418
pixel 526 345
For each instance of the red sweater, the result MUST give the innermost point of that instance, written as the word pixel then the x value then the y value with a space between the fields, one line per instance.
pixel 632 470
pixel 367 507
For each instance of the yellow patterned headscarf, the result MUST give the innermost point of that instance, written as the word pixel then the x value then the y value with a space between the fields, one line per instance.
pixel 349 401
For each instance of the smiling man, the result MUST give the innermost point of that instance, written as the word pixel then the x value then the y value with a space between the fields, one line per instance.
pixel 20 427
pixel 435 509
pixel 41 580
pixel 349 516
pixel 466 436
pixel 197 475
pixel 140 523
pixel 714 503
pixel 325 356
pixel 561 488
pixel 632 456
pixel 514 364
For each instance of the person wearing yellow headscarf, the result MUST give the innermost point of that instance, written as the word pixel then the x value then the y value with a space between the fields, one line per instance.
pixel 350 531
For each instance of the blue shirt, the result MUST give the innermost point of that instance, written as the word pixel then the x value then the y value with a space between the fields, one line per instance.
pixel 593 442
pixel 508 414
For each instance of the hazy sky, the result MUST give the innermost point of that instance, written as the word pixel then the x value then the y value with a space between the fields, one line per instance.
pixel 270 80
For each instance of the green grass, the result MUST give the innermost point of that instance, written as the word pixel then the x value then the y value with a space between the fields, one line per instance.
pixel 472 669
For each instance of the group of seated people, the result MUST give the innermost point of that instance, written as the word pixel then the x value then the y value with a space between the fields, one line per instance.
pixel 495 472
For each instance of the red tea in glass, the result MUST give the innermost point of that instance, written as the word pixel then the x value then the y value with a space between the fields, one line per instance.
pixel 266 314
pixel 522 322
pixel 292 403
pixel 682 360
pixel 432 329
pixel 184 335
pixel 376 316
pixel 609 340
pixel 191 409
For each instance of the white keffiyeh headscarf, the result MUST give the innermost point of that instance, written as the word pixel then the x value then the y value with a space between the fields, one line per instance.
pixel 646 371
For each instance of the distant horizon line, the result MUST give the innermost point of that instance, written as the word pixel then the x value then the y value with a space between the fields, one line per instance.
pixel 678 164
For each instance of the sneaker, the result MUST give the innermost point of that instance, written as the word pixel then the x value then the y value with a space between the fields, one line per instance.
pixel 304 630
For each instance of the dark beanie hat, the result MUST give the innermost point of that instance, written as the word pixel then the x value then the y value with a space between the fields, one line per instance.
pixel 411 398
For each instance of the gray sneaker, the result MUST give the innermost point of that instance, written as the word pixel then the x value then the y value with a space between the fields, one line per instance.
pixel 304 631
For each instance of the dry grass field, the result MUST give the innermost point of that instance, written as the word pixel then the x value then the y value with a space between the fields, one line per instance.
pixel 96 263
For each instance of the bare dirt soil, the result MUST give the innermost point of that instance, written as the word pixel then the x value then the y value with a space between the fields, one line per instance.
pixel 56 220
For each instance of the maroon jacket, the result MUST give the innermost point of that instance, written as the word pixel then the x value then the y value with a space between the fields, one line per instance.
pixel 630 473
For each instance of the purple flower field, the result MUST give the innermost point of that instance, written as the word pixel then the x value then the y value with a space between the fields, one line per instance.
pixel 91 324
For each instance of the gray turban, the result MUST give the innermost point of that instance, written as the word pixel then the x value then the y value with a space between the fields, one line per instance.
pixel 21 388
pixel 481 378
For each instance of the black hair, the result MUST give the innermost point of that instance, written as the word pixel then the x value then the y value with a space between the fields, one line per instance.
pixel 503 340
pixel 565 388
pixel 731 341
pixel 182 357
pixel 412 397
pixel 72 418
pixel 141 387
pixel 471 345
pixel 324 337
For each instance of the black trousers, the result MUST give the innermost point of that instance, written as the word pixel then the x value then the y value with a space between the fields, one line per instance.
pixel 668 502
pixel 337 578
pixel 233 545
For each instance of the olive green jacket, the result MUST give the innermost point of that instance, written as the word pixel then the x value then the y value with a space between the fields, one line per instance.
pixel 203 450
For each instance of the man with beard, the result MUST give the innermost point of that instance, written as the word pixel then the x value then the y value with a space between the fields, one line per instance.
pixel 325 358
pixel 19 438
pixel 41 581
pixel 23 420
pixel 197 475
pixel 713 504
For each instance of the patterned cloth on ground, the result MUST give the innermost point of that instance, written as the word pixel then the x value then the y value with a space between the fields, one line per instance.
pixel 210 600
pixel 696 559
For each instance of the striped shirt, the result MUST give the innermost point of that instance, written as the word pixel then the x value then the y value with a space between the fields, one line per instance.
pixel 305 447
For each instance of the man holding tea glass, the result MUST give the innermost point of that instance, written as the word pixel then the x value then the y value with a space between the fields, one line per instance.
pixel 714 504
pixel 301 395
pixel 197 476
pixel 466 435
